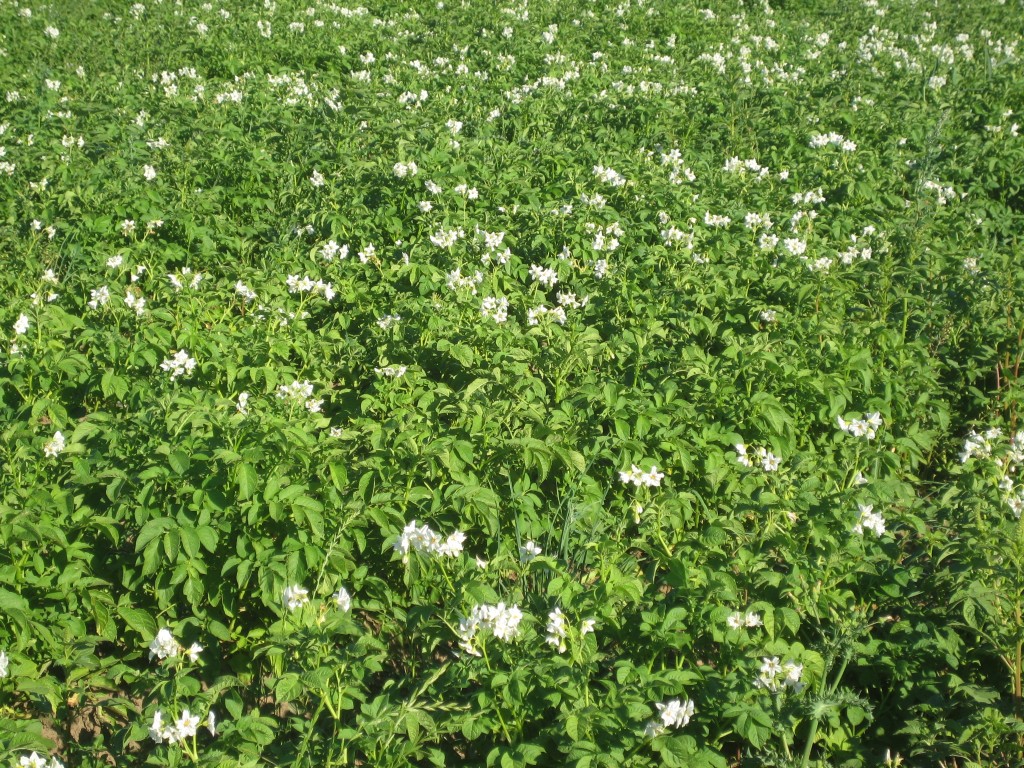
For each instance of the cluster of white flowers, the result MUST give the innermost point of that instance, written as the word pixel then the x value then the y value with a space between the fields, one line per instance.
pixel 758 221
pixel 35 760
pixel 673 236
pixel 500 620
pixel 536 314
pixel 636 476
pixel 185 727
pixel 317 179
pixel 294 597
pixel 21 325
pixel 672 714
pixel 331 251
pixel 98 297
pixel 979 444
pixel 739 619
pixel 569 299
pixel 492 244
pixel 775 676
pixel 558 629
pixel 55 445
pixel 853 253
pixel 811 197
pixel 677 172
pixel 767 460
pixel 943 193
pixel 185 276
pixel 446 238
pixel 1015 454
pixel 869 520
pixel 306 284
pixel 1007 458
pixel 735 165
pixel 1014 498
pixel 410 99
pixel 423 538
pixel 165 646
pixel 135 302
pixel 4 665
pixel 768 316
pixel 546 276
pixel 495 308
pixel 795 246
pixel 459 282
pixel 243 290
pixel 820 140
pixel 865 427
pixel 820 264
pixel 368 252
pixel 388 321
pixel 149 172
pixel 38 299
pixel 605 238
pixel 716 221
pixel 179 364
pixel 609 176
pixel 242 405
pixel 391 371
pixel 300 391
pixel 401 170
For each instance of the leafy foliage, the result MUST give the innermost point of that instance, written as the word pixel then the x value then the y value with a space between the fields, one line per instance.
pixel 567 384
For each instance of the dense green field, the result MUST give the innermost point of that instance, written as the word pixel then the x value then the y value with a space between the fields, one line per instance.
pixel 561 384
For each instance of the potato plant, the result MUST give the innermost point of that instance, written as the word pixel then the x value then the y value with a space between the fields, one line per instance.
pixel 524 384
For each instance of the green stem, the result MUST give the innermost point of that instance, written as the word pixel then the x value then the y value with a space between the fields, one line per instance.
pixel 810 743
pixel 309 733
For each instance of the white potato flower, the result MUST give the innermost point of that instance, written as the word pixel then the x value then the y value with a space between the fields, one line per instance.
pixel 55 445
pixel 295 597
pixel 343 600
pixel 164 646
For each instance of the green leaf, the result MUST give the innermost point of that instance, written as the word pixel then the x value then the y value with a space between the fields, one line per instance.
pixel 572 727
pixel 151 530
pixel 207 537
pixel 473 386
pixel 675 751
pixel 179 462
pixel 139 620
pixel 339 475
pixel 189 540
pixel 245 476
pixel 113 385
pixel 752 723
